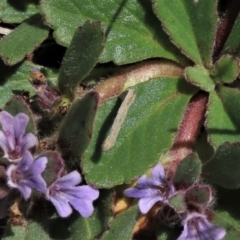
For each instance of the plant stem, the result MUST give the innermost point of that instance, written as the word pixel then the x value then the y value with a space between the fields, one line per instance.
pixel 225 27
pixel 192 121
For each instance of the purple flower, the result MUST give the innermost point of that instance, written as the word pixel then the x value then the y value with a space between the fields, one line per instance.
pixel 13 140
pixel 152 190
pixel 26 175
pixel 64 192
pixel 197 227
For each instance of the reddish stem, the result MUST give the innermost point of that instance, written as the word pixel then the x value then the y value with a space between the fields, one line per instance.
pixel 225 26
pixel 192 121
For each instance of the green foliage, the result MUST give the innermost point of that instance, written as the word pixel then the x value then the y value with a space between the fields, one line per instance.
pixel 77 127
pixel 132 31
pixel 147 119
pixel 17 11
pixel 186 21
pixel 232 43
pixel 220 125
pixel 122 225
pixel 23 40
pixel 81 57
pixel 223 168
pixel 177 201
pixel 75 227
pixel 188 170
pixel 147 129
pixel 199 77
pixel 225 70
pixel 16 79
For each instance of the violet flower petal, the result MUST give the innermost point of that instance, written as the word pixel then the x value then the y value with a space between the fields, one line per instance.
pixel 197 227
pixel 28 141
pixel 4 144
pixel 7 122
pixel 63 192
pixel 84 204
pixel 140 193
pixel 20 124
pixel 62 206
pixel 145 204
pixel 71 179
pixel 25 190
pixel 27 175
pixel 26 161
pixel 151 190
pixel 158 175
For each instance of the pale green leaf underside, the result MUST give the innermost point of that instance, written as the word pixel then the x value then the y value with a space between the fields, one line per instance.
pixel 17 11
pixel 191 25
pixel 147 131
pixel 16 78
pixel 23 40
pixel 132 31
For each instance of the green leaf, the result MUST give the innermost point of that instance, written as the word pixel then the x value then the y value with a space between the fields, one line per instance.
pixel 186 21
pixel 122 226
pixel 227 212
pixel 167 233
pixel 177 201
pixel 199 77
pixel 199 195
pixel 147 131
pixel 15 79
pixel 219 123
pixel 202 147
pixel 132 31
pixel 35 228
pixel 23 40
pixel 17 11
pixel 225 70
pixel 76 227
pixel 76 129
pixel 231 101
pixel 23 233
pixel 223 168
pixel 188 171
pixel 233 42
pixel 81 57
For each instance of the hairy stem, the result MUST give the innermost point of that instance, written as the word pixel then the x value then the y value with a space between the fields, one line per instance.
pixel 192 121
pixel 225 26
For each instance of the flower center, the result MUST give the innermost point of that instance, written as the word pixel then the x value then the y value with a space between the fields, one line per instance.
pixel 16 176
pixel 54 190
pixel 14 154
